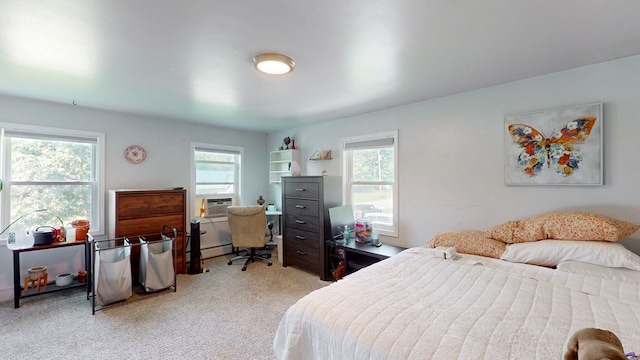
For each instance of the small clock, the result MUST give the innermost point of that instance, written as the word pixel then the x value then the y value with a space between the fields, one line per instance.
pixel 135 154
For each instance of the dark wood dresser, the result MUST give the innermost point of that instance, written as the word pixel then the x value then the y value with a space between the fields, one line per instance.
pixel 305 220
pixel 139 212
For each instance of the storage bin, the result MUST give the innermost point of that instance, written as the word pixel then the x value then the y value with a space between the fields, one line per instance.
pixel 363 231
pixel 156 264
pixel 113 274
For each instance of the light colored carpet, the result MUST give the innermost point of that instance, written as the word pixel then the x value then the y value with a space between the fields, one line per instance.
pixel 222 314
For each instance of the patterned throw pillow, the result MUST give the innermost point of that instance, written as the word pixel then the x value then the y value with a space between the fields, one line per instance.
pixel 469 242
pixel 565 225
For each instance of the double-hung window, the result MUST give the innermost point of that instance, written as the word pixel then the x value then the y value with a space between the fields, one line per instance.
pixel 217 170
pixel 370 179
pixel 51 177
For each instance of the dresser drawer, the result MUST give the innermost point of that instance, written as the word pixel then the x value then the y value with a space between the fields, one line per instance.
pixel 302 239
pixel 309 190
pixel 302 207
pixel 302 222
pixel 301 256
pixel 144 205
pixel 143 226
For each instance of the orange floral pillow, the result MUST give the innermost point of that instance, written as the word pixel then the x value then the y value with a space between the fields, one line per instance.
pixel 469 242
pixel 565 225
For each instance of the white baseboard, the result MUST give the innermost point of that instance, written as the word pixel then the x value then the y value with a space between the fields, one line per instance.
pixel 219 251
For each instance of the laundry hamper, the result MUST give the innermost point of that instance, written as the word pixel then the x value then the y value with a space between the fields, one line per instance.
pixel 113 274
pixel 156 264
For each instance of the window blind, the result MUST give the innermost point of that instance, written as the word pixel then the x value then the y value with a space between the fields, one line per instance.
pixel 369 144
pixel 215 151
pixel 53 137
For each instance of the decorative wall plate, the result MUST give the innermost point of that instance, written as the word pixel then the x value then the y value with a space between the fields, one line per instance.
pixel 135 154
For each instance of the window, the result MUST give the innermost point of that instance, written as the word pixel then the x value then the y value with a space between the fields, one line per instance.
pixel 52 176
pixel 217 170
pixel 370 182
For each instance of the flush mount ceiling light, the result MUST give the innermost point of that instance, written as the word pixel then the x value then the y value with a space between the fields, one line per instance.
pixel 274 64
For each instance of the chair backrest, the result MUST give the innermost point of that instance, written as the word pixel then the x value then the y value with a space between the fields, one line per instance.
pixel 248 225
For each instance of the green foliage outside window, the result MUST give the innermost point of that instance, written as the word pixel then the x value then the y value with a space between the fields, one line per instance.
pixel 53 175
pixel 373 165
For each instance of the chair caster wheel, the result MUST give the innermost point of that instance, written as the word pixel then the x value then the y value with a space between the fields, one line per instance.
pixel 244 268
pixel 270 264
pixel 229 263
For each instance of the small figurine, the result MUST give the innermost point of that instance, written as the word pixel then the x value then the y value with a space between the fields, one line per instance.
pixel 295 168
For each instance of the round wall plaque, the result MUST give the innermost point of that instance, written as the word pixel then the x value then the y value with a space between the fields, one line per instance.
pixel 135 154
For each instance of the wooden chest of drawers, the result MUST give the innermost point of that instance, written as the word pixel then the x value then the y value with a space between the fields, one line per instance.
pixel 305 220
pixel 139 212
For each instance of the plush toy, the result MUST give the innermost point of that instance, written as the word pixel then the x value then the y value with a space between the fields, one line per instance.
pixel 594 344
pixel 338 273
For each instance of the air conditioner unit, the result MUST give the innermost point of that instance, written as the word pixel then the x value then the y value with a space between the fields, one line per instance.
pixel 216 207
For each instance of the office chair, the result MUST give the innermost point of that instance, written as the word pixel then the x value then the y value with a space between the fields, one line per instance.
pixel 248 224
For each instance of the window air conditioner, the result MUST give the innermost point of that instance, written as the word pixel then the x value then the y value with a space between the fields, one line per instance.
pixel 216 207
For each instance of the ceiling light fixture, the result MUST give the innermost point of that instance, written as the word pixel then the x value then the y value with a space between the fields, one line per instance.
pixel 274 64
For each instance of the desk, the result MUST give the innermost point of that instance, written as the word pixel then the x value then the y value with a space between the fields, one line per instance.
pixel 17 283
pixel 277 213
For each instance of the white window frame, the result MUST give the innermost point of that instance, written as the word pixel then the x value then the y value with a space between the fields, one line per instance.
pixel 348 182
pixel 98 226
pixel 238 178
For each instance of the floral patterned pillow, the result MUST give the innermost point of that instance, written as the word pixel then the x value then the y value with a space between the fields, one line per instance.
pixel 565 225
pixel 469 242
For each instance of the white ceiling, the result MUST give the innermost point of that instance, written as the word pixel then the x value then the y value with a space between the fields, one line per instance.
pixel 191 59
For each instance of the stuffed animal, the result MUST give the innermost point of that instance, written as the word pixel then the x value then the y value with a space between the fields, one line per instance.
pixel 594 344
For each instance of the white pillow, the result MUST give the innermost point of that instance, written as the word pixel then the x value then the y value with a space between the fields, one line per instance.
pixel 617 274
pixel 553 252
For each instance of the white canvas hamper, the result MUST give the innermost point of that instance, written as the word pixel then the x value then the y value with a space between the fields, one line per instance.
pixel 156 264
pixel 113 275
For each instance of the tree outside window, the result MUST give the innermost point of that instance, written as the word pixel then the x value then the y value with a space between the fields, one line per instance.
pixel 56 172
pixel 370 179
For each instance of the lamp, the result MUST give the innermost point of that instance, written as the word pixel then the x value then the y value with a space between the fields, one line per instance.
pixel 273 64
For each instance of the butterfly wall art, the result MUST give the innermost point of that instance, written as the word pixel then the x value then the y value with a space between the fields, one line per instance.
pixel 555 147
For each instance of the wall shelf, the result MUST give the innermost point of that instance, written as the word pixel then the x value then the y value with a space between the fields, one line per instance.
pixel 321 155
pixel 280 164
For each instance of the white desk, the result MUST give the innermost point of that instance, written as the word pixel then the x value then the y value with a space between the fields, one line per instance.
pixel 277 213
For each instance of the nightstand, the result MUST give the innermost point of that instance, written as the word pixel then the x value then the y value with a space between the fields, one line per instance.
pixel 357 255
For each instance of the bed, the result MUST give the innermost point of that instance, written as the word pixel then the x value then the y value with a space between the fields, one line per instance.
pixel 417 306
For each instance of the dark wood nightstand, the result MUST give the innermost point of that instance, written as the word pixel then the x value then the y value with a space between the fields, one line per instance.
pixel 357 255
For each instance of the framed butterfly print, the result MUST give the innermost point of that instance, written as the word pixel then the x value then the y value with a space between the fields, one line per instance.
pixel 554 147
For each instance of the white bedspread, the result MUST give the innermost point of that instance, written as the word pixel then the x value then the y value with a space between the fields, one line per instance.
pixel 413 306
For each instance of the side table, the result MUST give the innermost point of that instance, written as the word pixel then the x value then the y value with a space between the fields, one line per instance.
pixel 357 255
pixel 17 284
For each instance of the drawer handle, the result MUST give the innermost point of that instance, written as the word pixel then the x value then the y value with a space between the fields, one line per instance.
pixel 301 252
pixel 300 206
pixel 301 237
pixel 300 222
pixel 300 190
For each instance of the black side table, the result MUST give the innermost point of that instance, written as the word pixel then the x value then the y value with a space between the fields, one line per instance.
pixel 357 255
pixel 17 283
